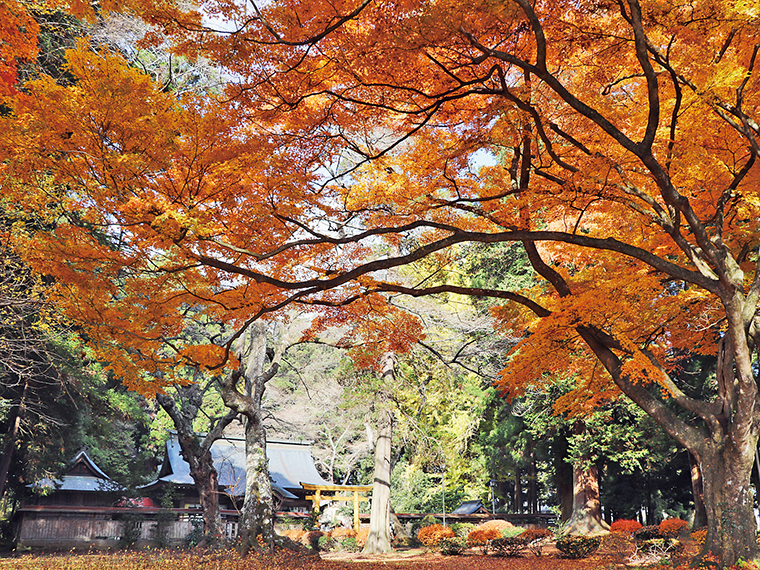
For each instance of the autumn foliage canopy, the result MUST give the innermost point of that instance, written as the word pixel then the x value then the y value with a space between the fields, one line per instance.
pixel 615 143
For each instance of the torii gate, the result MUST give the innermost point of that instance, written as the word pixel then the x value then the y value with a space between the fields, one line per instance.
pixel 354 491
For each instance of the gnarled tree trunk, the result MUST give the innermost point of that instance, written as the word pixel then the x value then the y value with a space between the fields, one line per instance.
pixel 724 445
pixel 196 450
pixel 256 528
pixel 731 528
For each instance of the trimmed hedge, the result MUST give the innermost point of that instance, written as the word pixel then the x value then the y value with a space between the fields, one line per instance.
pixel 431 535
pixel 625 525
pixel 508 546
pixel 452 546
pixel 672 528
pixel 578 546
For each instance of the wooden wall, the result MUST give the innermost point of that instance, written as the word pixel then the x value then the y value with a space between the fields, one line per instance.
pixel 59 531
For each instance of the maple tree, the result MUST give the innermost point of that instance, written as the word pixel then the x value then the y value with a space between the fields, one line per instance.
pixel 18 41
pixel 625 143
pixel 628 145
pixel 183 407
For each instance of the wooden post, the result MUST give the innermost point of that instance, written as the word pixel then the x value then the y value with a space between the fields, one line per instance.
pixel 356 510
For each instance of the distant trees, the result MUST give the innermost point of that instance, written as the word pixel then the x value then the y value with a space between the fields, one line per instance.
pixel 310 398
pixel 28 373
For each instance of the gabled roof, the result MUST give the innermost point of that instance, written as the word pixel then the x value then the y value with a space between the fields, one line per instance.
pixel 469 508
pixel 290 464
pixel 81 474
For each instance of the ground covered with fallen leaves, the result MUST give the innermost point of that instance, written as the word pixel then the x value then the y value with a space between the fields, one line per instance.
pixel 229 560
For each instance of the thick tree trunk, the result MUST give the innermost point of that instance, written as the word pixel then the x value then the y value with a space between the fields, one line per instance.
pixel 725 444
pixel 206 482
pixel 204 476
pixel 196 450
pixel 379 537
pixel 731 527
pixel 563 478
pixel 587 510
pixel 256 529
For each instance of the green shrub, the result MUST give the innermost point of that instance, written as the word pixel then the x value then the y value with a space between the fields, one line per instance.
pixel 577 546
pixel 131 530
pixel 326 543
pixel 348 544
pixel 462 529
pixel 289 522
pixel 311 522
pixel 453 546
pixel 165 517
pixel 195 536
pixel 510 531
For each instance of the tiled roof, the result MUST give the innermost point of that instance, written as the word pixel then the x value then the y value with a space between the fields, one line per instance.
pixel 94 480
pixel 290 464
pixel 469 508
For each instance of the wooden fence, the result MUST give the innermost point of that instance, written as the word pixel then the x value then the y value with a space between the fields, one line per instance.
pixel 64 528
pixel 61 528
